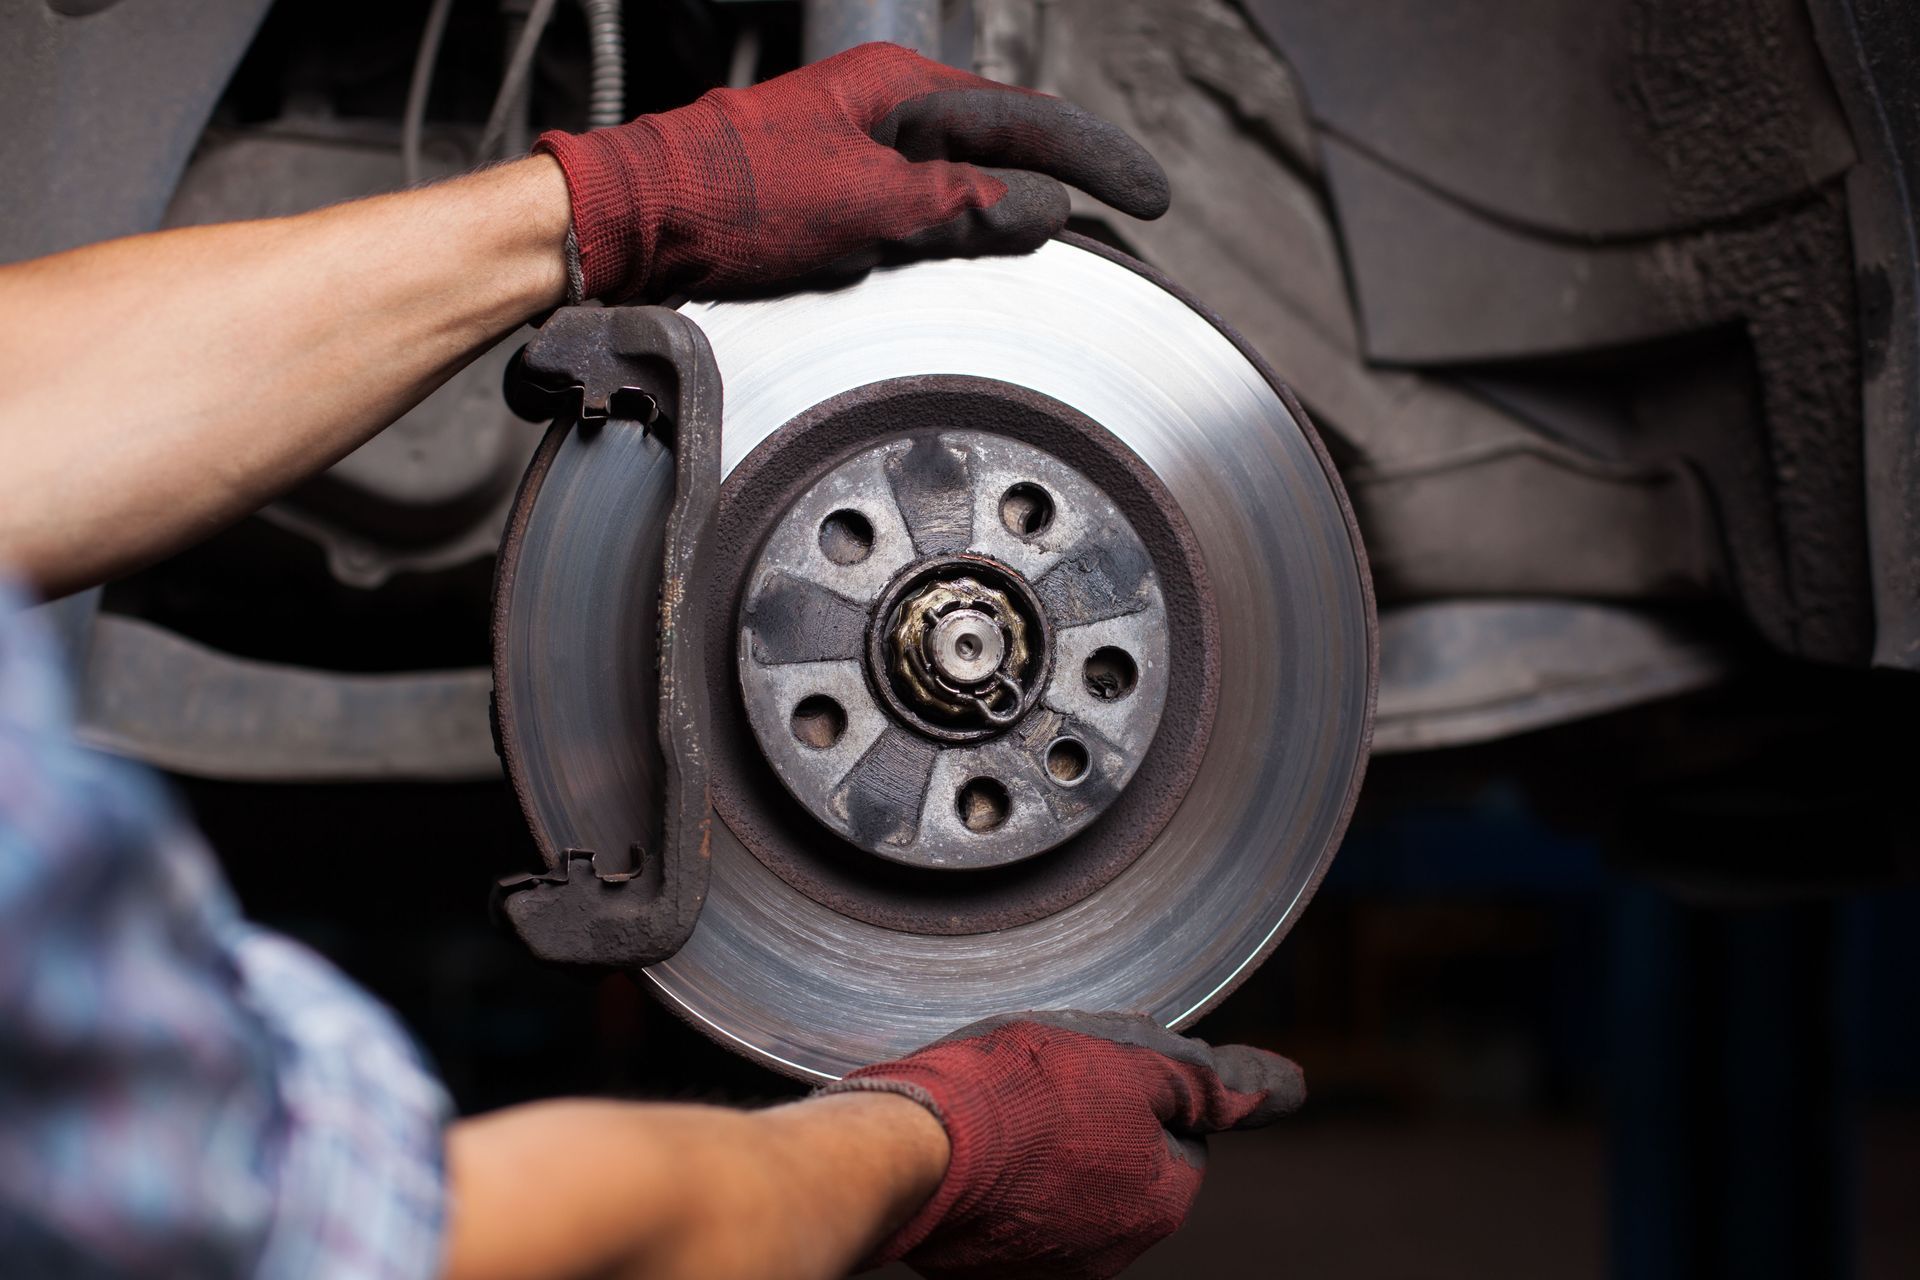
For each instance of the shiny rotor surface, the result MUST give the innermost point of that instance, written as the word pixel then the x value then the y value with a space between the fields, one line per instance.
pixel 813 992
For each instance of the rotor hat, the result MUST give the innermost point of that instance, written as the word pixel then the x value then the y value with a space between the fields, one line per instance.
pixel 959 714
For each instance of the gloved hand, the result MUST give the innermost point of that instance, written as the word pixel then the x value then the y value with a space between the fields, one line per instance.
pixel 1078 1138
pixel 834 168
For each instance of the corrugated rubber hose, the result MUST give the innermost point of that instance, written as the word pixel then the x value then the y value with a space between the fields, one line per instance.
pixel 607 100
pixel 607 95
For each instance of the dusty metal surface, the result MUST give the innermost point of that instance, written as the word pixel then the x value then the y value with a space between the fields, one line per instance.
pixel 1613 119
pixel 103 103
pixel 1873 51
pixel 830 26
pixel 1734 471
pixel 945 709
pixel 1454 672
pixel 162 698
pixel 813 991
pixel 1216 105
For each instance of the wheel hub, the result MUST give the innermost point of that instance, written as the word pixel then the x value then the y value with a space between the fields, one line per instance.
pixel 962 741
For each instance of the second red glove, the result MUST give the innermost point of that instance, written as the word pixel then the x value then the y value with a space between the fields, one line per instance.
pixel 1078 1138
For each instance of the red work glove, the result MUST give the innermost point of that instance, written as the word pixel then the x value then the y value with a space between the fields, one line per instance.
pixel 1078 1138
pixel 831 169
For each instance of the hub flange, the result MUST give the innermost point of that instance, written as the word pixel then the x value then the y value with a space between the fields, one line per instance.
pixel 966 565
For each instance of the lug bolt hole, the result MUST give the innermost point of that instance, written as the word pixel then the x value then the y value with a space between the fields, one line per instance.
pixel 846 537
pixel 1068 761
pixel 819 721
pixel 1026 510
pixel 983 804
pixel 1111 674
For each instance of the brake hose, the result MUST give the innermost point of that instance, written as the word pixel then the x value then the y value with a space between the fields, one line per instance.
pixel 607 100
pixel 607 96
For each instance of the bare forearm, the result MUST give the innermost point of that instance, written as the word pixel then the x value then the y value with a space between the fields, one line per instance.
pixel 156 388
pixel 644 1192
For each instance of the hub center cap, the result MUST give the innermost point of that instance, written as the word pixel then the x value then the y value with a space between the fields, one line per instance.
pixel 966 646
pixel 958 648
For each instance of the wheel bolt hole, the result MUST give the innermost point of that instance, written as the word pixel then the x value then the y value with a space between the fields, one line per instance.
pixel 1026 510
pixel 983 804
pixel 846 537
pixel 819 721
pixel 1068 761
pixel 1111 674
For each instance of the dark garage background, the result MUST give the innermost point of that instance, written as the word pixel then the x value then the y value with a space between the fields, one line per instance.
pixel 1547 1029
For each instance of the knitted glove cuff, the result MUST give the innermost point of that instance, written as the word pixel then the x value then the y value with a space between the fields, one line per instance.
pixel 962 1163
pixel 614 179
pixel 576 274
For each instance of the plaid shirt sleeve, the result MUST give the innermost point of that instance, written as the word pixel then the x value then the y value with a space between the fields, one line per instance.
pixel 181 1093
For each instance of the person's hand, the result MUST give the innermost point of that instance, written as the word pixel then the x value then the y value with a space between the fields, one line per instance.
pixel 831 169
pixel 1078 1138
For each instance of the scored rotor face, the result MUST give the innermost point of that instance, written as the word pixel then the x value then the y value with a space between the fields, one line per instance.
pixel 807 978
pixel 953 650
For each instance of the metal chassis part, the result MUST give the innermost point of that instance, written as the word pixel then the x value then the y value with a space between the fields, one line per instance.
pixel 830 26
pixel 626 369
pixel 1872 49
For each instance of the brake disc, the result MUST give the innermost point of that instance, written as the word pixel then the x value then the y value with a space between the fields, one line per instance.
pixel 1044 656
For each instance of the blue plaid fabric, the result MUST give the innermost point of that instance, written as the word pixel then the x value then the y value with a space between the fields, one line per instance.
pixel 181 1093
